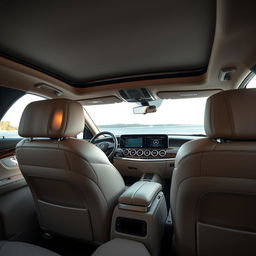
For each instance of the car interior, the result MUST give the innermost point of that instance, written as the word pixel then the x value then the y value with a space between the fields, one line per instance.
pixel 127 128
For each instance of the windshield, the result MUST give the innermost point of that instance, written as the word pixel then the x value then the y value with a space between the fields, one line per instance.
pixel 173 116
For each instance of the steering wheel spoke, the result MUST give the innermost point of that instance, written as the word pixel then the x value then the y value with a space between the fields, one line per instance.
pixel 111 144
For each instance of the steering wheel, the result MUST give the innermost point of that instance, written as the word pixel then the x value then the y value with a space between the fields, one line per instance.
pixel 109 148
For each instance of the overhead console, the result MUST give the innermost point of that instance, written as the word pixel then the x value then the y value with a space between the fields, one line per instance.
pixel 136 95
pixel 145 146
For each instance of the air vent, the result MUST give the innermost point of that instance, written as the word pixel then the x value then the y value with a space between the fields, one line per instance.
pixel 136 95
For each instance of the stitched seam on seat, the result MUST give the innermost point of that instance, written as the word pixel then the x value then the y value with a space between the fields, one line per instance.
pixel 67 115
pixel 211 127
pixel 137 191
pixel 201 163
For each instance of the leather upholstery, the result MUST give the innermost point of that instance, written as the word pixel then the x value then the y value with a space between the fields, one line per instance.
pixel 124 247
pixel 23 249
pixel 55 118
pixel 141 193
pixel 231 115
pixel 74 185
pixel 213 189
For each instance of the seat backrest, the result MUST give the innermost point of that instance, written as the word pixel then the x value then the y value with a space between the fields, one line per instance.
pixel 74 185
pixel 213 192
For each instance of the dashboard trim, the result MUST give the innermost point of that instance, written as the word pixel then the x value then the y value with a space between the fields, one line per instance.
pixel 145 159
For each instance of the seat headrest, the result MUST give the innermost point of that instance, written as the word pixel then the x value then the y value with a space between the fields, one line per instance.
pixel 56 118
pixel 231 115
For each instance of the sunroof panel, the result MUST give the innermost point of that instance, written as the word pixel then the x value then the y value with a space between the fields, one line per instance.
pixel 85 41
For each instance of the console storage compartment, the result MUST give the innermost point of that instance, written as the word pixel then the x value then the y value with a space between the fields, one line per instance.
pixel 141 215
pixel 139 196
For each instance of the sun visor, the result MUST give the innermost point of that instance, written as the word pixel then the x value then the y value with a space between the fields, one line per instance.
pixel 100 100
pixel 186 94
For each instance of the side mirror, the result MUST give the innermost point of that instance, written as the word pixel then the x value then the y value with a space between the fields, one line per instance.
pixel 144 109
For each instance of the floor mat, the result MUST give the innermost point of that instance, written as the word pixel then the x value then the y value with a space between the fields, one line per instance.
pixel 66 247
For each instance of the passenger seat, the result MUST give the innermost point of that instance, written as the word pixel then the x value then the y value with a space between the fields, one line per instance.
pixel 23 249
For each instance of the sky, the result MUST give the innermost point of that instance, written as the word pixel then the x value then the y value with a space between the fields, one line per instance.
pixel 252 83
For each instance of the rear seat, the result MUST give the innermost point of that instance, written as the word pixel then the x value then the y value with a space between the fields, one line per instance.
pixel 23 249
pixel 123 247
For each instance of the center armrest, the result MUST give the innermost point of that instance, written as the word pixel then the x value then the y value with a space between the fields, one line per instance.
pixel 141 193
pixel 141 215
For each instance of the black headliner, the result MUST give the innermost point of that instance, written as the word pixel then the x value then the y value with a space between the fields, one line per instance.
pixel 83 42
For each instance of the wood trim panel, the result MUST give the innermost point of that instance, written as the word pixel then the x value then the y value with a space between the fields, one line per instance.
pixel 7 152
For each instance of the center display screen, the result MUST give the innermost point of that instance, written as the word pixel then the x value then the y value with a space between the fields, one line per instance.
pixel 144 141
pixel 156 141
pixel 133 142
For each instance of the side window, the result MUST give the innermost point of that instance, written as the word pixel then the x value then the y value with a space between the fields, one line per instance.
pixel 252 83
pixel 10 122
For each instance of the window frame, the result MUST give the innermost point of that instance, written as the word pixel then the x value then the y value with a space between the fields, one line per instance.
pixel 246 80
pixel 11 104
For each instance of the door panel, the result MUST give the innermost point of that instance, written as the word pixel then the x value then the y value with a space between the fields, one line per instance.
pixel 9 143
pixel 10 175
pixel 7 147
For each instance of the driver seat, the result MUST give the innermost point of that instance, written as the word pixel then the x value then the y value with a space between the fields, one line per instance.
pixel 75 187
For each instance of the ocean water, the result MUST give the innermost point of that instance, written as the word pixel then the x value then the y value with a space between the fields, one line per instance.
pixel 159 129
pixel 118 130
pixel 9 134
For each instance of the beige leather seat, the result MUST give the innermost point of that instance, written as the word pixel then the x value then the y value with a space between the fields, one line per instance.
pixel 213 193
pixel 74 185
pixel 121 247
pixel 23 249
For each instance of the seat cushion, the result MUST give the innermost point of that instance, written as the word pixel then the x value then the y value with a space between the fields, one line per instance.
pixel 124 247
pixel 23 249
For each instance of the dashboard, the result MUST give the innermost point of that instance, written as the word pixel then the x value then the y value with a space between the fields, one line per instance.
pixel 148 153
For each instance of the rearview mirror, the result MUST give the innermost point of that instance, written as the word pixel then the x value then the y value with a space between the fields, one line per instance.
pixel 144 109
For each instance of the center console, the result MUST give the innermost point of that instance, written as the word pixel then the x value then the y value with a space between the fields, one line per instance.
pixel 145 153
pixel 141 215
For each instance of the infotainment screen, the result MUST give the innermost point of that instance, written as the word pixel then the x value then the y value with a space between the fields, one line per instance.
pixel 133 142
pixel 158 141
pixel 144 141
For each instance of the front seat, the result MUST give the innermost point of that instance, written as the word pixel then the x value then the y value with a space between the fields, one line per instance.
pixel 213 192
pixel 75 187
